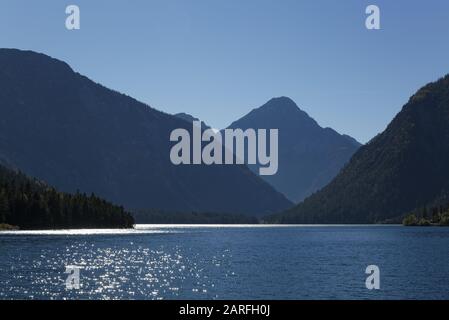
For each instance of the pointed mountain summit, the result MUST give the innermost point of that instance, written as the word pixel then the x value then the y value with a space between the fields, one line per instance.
pixel 60 126
pixel 309 155
pixel 402 169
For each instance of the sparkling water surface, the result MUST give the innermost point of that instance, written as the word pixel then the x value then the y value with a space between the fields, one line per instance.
pixel 227 262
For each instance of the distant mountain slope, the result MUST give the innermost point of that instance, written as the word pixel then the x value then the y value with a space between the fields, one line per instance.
pixel 31 204
pixel 404 168
pixel 309 155
pixel 189 118
pixel 61 127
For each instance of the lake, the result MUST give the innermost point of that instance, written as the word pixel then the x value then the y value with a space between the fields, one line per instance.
pixel 227 262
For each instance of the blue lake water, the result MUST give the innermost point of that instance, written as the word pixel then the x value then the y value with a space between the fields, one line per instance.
pixel 223 262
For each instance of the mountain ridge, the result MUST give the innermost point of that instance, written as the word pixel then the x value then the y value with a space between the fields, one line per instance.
pixel 308 153
pixel 74 133
pixel 399 170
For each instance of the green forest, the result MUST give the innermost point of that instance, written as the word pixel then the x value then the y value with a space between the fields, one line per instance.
pixel 435 216
pixel 403 168
pixel 31 204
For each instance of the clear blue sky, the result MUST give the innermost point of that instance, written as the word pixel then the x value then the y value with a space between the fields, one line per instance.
pixel 217 59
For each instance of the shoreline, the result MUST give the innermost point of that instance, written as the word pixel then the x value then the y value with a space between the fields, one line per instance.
pixel 144 226
pixel 8 227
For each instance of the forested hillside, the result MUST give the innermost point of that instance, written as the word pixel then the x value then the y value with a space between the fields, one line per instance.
pixel 404 168
pixel 31 204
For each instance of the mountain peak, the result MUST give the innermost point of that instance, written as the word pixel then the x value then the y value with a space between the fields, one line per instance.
pixel 402 169
pixel 310 156
pixel 61 127
pixel 282 102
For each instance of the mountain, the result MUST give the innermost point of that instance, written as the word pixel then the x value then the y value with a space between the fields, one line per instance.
pixel 60 126
pixel 403 168
pixel 189 118
pixel 166 217
pixel 309 155
pixel 31 204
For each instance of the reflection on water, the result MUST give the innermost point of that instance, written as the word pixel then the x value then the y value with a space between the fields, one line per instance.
pixel 226 262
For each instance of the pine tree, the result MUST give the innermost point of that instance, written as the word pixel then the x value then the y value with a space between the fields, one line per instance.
pixel 30 204
pixel 4 206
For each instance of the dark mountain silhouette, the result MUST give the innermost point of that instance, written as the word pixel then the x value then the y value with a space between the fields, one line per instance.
pixel 31 204
pixel 165 217
pixel 59 126
pixel 401 169
pixel 309 155
pixel 189 118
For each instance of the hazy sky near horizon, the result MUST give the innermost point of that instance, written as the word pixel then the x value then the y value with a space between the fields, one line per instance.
pixel 218 59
